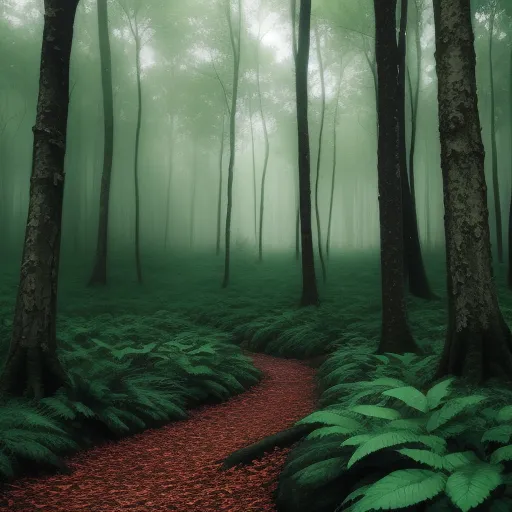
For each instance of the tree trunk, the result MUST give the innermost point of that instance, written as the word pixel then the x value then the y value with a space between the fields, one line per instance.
pixel 265 159
pixel 319 157
pixel 169 182
pixel 32 366
pixel 136 158
pixel 309 288
pixel 509 280
pixel 297 233
pixel 255 200
pixel 293 16
pixel 414 267
pixel 235 46
pixel 494 151
pixel 478 343
pixel 219 194
pixel 99 273
pixel 333 176
pixel 395 334
pixel 415 98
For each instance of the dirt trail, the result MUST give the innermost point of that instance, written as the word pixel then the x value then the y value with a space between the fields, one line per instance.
pixel 175 468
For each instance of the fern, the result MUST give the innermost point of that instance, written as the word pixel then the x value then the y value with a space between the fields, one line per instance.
pixel 320 473
pixel 331 418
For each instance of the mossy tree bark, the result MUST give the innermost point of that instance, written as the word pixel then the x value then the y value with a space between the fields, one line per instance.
pixel 99 273
pixel 33 367
pixel 309 287
pixel 395 335
pixel 478 344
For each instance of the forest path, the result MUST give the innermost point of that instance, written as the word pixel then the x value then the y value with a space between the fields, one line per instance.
pixel 176 467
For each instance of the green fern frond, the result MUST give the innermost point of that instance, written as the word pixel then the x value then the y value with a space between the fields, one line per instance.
pixel 504 414
pixel 401 489
pixel 322 432
pixel 426 457
pixel 436 394
pixel 501 454
pixel 499 434
pixel 376 411
pixel 331 418
pixel 451 409
pixel 471 485
pixel 409 396
pixel 320 473
pixel 456 460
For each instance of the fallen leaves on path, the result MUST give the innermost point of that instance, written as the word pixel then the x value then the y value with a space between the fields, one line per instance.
pixel 176 468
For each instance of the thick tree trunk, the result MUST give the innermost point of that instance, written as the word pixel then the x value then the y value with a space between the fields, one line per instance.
pixel 169 183
pixel 293 16
pixel 494 151
pixel 32 366
pixel 395 335
pixel 265 159
pixel 478 343
pixel 219 194
pixel 309 288
pixel 136 157
pixel 413 259
pixel 297 233
pixel 99 273
pixel 319 156
pixel 255 200
pixel 235 46
pixel 334 148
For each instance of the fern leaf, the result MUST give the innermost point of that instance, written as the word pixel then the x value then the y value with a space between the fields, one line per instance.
pixel 356 440
pixel 58 408
pixel 470 485
pixel 411 424
pixel 110 417
pixel 424 457
pixel 376 411
pixel 84 410
pixel 331 418
pixel 456 460
pixel 504 414
pixel 381 358
pixel 322 432
pixel 437 393
pixel 320 473
pixel 382 381
pixel 501 454
pixel 379 442
pixel 451 409
pixel 436 443
pixel 500 434
pixel 361 491
pixel 401 489
pixel 410 396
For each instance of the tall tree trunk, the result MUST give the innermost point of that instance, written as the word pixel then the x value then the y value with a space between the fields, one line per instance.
pixel 494 151
pixel 235 46
pixel 509 280
pixel 309 288
pixel 32 366
pixel 169 182
pixel 334 147
pixel 414 267
pixel 319 157
pixel 265 159
pixel 293 16
pixel 478 344
pixel 99 273
pixel 193 196
pixel 415 99
pixel 136 158
pixel 255 200
pixel 219 194
pixel 395 334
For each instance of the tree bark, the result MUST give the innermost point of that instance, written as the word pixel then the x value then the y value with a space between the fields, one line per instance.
pixel 478 343
pixel 32 366
pixel 334 148
pixel 309 288
pixel 293 16
pixel 494 151
pixel 219 194
pixel 319 156
pixel 395 334
pixel 99 273
pixel 235 46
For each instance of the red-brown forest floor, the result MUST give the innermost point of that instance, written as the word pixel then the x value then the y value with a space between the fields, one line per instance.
pixel 176 468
